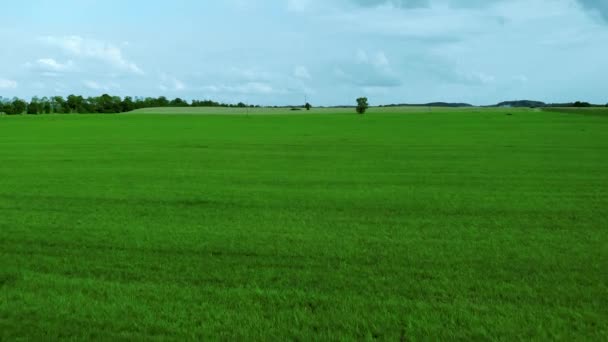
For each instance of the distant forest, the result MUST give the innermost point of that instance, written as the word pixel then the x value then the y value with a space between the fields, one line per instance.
pixel 115 104
pixel 100 104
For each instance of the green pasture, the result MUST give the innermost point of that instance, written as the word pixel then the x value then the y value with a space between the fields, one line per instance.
pixel 402 224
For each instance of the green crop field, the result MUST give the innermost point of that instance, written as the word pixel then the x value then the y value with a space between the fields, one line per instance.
pixel 422 225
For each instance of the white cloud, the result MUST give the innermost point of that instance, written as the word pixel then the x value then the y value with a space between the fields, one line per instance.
pixel 94 49
pixel 38 85
pixel 179 85
pixel 301 72
pixel 94 85
pixel 251 88
pixel 469 77
pixel 368 70
pixel 7 84
pixel 170 83
pixel 482 77
pixel 52 64
pixel 250 74
pixel 242 5
pixel 378 60
pixel 50 74
pixel 298 5
pixel 50 67
pixel 520 78
pixel 361 56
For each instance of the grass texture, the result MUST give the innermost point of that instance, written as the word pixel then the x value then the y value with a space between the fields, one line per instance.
pixel 425 225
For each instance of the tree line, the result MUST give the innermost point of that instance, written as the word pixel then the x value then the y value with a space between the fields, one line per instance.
pixel 115 104
pixel 100 104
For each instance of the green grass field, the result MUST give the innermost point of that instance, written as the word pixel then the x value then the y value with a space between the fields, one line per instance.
pixel 426 225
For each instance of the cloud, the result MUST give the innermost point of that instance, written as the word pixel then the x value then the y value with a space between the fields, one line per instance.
pixel 476 77
pixel 427 25
pixel 94 85
pixel 97 50
pixel 478 51
pixel 367 77
pixel 520 78
pixel 378 60
pixel 368 70
pixel 171 83
pixel 7 84
pixel 51 65
pixel 301 72
pixel 251 88
pixel 394 3
pixel 249 74
pixel 415 4
pixel 298 5
pixel 598 6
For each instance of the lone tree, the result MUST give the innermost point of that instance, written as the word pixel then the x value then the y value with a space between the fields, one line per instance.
pixel 307 106
pixel 362 105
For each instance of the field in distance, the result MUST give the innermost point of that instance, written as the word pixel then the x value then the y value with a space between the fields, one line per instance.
pixel 318 110
pixel 449 224
pixel 371 110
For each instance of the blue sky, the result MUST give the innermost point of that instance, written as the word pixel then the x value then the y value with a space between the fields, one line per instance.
pixel 279 51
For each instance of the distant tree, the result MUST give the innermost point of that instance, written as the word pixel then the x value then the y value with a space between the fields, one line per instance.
pixel 580 104
pixel 162 102
pixel 91 104
pixel 108 104
pixel 18 106
pixel 45 105
pixel 178 103
pixel 7 108
pixel 140 102
pixel 362 105
pixel 104 104
pixel 34 106
pixel 127 104
pixel 307 106
pixel 148 102
pixel 116 104
pixel 76 104
pixel 207 103
pixel 59 105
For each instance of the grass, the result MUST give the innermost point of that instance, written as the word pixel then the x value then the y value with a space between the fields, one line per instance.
pixel 601 111
pixel 442 225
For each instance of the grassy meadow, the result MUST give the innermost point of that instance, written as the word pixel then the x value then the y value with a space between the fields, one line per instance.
pixel 403 224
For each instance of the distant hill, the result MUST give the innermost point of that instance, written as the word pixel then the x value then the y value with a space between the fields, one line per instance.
pixel 521 103
pixel 535 104
pixel 431 104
